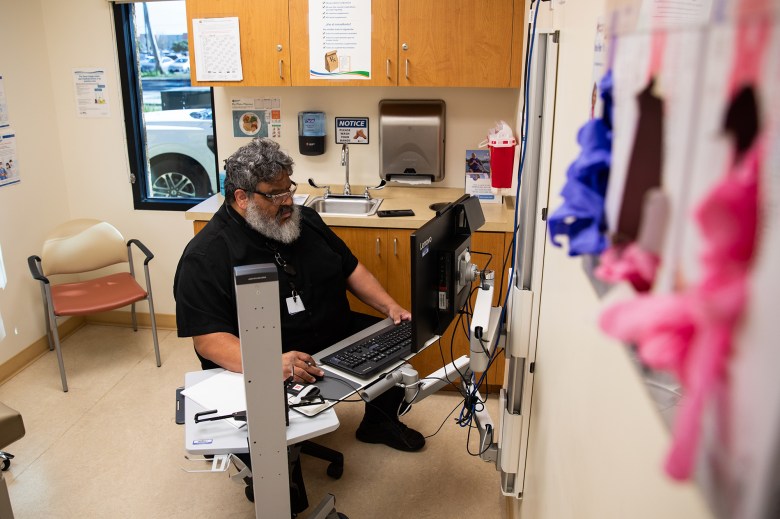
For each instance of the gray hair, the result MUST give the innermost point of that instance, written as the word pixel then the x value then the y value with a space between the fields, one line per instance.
pixel 259 161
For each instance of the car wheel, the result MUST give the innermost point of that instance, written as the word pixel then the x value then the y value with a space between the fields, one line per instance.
pixel 178 177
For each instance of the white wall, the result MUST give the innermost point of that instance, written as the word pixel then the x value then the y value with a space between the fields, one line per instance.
pixel 35 204
pixel 597 443
pixel 470 113
pixel 73 167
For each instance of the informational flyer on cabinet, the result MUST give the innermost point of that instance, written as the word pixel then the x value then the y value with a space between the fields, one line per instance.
pixel 261 117
pixel 91 93
pixel 9 166
pixel 217 49
pixel 340 39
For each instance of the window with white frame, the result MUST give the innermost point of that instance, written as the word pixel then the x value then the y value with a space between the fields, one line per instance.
pixel 169 123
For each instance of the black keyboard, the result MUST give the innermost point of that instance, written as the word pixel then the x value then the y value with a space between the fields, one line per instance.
pixel 371 355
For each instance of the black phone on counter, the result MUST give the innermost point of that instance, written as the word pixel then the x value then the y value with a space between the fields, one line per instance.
pixel 394 212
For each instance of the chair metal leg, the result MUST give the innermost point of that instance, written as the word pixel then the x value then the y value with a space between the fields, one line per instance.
pixel 151 313
pixel 55 333
pixel 46 314
pixel 135 320
pixel 49 326
pixel 154 331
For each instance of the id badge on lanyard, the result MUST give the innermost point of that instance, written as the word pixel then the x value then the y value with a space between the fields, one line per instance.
pixel 294 303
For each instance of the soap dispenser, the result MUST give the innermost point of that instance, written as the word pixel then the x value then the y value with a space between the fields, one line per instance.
pixel 311 133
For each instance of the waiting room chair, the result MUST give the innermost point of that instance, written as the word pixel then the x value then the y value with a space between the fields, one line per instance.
pixel 81 246
pixel 11 429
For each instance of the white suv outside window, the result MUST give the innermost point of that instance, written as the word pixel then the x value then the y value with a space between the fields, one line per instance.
pixel 179 145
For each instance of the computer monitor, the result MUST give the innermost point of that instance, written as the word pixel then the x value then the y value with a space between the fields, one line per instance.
pixel 437 251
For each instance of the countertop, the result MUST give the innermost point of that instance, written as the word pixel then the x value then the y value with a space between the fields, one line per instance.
pixel 499 217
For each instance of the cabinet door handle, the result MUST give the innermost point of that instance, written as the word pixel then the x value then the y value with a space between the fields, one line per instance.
pixel 281 64
pixel 387 66
pixel 377 246
pixel 395 246
pixel 407 68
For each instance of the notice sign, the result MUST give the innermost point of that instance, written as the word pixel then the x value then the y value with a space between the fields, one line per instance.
pixel 351 130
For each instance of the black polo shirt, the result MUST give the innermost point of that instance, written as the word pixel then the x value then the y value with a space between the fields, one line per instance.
pixel 322 262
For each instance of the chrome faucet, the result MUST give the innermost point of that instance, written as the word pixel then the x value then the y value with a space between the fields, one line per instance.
pixel 347 187
pixel 345 162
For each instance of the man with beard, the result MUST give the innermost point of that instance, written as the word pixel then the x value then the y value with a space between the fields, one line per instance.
pixel 258 223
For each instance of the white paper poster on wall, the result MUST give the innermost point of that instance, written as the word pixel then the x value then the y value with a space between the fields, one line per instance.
pixel 340 39
pixel 9 166
pixel 91 93
pixel 3 277
pixel 3 281
pixel 3 105
pixel 217 49
pixel 261 117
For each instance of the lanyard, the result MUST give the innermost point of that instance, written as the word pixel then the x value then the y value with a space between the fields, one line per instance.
pixel 286 267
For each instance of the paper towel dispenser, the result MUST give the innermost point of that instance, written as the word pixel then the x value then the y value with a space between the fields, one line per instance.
pixel 411 140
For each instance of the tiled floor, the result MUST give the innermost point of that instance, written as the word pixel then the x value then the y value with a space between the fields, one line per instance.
pixel 110 446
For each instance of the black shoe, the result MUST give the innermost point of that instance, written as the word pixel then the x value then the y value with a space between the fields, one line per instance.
pixel 393 434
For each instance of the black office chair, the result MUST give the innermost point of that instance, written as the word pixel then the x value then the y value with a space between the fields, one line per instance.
pixel 335 468
pixel 298 498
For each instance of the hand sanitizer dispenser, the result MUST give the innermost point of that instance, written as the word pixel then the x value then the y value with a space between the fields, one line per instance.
pixel 311 133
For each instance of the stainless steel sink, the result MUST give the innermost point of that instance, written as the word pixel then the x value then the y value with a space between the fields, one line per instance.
pixel 345 206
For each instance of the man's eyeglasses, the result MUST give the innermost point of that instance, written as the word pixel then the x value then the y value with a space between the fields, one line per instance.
pixel 279 198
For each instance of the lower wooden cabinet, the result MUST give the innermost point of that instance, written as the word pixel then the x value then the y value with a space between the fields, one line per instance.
pixel 385 252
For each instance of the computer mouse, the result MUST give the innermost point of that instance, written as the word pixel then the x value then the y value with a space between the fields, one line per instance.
pixel 319 378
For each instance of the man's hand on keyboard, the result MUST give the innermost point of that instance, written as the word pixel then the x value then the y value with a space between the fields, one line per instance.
pixel 301 366
pixel 398 314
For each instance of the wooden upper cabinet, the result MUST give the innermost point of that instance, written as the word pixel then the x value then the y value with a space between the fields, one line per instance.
pixel 384 46
pixel 265 39
pixel 458 43
pixel 461 43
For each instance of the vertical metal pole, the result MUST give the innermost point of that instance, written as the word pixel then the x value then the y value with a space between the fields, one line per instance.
pixel 260 331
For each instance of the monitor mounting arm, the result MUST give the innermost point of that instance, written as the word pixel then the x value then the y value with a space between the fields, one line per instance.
pixel 483 328
pixel 416 390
